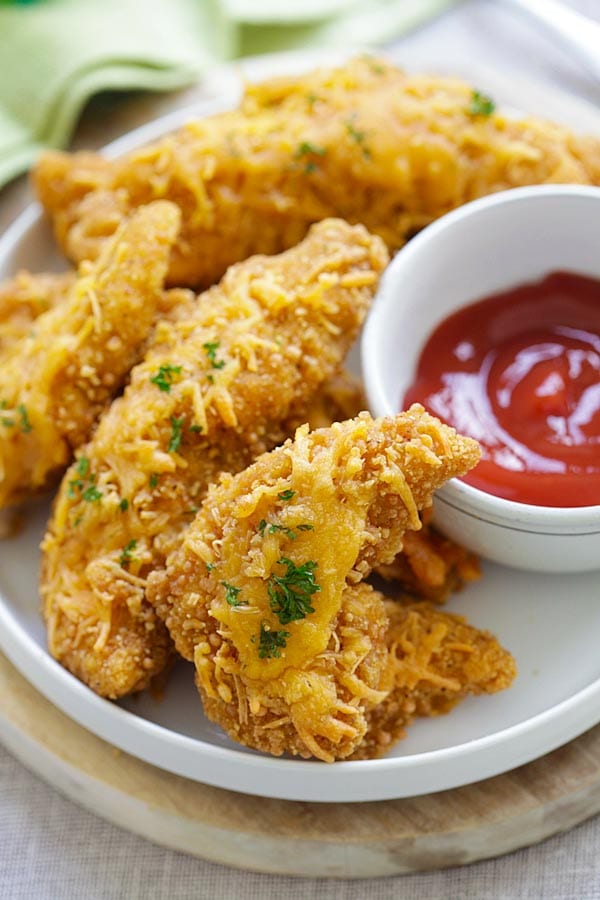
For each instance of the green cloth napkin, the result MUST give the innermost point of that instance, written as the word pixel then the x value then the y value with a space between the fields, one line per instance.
pixel 55 54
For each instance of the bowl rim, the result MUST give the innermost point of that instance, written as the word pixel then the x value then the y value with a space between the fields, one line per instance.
pixel 478 501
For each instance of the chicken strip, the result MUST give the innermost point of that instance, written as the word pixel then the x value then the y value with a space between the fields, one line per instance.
pixel 256 593
pixel 435 660
pixel 213 392
pixel 24 298
pixel 365 142
pixel 431 565
pixel 55 382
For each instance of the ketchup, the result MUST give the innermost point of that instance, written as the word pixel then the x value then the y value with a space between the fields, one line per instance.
pixel 520 372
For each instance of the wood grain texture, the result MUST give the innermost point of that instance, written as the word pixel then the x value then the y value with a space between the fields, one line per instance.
pixel 344 840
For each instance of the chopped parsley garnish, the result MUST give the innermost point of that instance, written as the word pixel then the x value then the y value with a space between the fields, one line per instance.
pixel 358 137
pixel 290 594
pixel 481 105
pixel 164 379
pixel 9 422
pixel 232 594
pixel 210 566
pixel 126 556
pixel 176 433
pixel 124 504
pixel 286 495
pixel 92 494
pixel 211 348
pixel 306 149
pixel 282 529
pixel 197 429
pixel 271 642
pixel 84 483
pixel 6 420
pixel 153 480
pixel 311 99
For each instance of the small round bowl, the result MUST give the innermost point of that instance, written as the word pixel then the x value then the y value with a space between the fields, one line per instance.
pixel 484 247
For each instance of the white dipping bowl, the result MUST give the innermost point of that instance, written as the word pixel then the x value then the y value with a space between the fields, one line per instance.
pixel 490 245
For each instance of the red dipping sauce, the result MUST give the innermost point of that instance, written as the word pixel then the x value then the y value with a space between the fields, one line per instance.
pixel 520 372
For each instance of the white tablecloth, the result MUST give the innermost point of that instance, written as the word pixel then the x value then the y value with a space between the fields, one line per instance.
pixel 52 850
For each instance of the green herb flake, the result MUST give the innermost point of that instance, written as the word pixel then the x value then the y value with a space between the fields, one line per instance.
pixel 286 495
pixel 26 425
pixel 358 137
pixel 232 594
pixel 92 494
pixel 6 420
pixel 164 378
pixel 306 149
pixel 481 105
pixel 153 480
pixel 210 566
pixel 211 348
pixel 282 529
pixel 85 483
pixel 126 556
pixel 176 433
pixel 124 504
pixel 197 429
pixel 290 594
pixel 83 466
pixel 271 642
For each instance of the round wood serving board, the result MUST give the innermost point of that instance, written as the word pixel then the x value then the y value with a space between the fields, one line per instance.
pixel 343 840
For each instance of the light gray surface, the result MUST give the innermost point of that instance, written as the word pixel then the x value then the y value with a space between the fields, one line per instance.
pixel 52 850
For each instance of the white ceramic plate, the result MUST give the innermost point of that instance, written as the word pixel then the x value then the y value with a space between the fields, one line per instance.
pixel 550 624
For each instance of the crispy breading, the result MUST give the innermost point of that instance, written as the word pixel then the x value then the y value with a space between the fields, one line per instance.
pixel 55 382
pixel 435 660
pixel 255 593
pixel 365 142
pixel 431 565
pixel 25 297
pixel 214 391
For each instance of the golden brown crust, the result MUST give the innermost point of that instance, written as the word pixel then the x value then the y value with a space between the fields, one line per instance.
pixel 365 142
pixel 338 501
pixel 25 297
pixel 246 362
pixel 55 382
pixel 435 660
pixel 431 565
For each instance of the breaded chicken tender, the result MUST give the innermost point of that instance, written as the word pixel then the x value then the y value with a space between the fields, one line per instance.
pixel 24 298
pixel 55 382
pixel 431 565
pixel 213 392
pixel 365 142
pixel 261 594
pixel 435 660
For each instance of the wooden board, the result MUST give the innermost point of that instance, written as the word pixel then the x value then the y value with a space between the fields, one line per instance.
pixel 344 840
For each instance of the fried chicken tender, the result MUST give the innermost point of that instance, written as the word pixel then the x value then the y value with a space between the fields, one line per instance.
pixel 365 142
pixel 261 594
pixel 431 565
pixel 55 382
pixel 24 298
pixel 435 660
pixel 213 392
